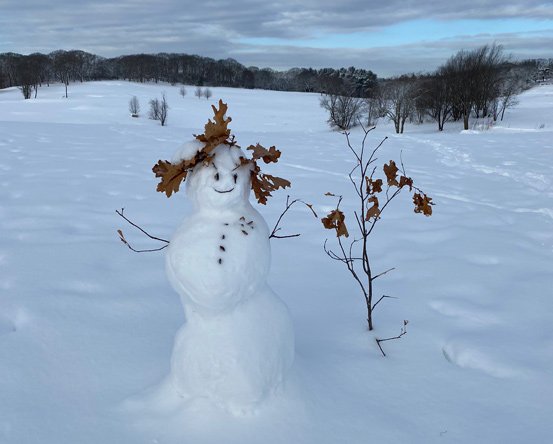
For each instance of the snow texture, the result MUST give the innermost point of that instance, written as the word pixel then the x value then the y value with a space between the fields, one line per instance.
pixel 86 326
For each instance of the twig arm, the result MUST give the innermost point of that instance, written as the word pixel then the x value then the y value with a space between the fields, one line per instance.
pixel 120 213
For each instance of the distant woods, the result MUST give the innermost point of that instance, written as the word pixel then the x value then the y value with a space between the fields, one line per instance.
pixel 477 83
pixel 34 70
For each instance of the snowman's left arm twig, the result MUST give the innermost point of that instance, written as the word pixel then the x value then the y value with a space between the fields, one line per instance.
pixel 289 204
pixel 122 238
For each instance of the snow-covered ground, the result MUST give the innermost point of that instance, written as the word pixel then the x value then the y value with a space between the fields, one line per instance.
pixel 86 325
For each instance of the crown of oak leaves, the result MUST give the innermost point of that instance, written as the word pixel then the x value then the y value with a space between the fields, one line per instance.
pixel 217 133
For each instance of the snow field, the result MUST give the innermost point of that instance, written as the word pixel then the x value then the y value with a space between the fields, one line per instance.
pixel 85 324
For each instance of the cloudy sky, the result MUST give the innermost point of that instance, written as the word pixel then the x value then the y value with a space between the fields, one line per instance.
pixel 387 36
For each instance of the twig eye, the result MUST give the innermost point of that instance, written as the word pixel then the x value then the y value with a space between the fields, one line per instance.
pixel 216 176
pixel 235 177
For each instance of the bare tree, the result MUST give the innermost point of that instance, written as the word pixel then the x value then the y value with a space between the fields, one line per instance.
pixel 508 92
pixel 372 109
pixel 207 93
pixel 134 106
pixel 26 76
pixel 163 110
pixel 436 98
pixel 344 110
pixel 64 66
pixel 182 91
pixel 473 77
pixel 398 99
pixel 155 107
pixel 198 92
pixel 159 109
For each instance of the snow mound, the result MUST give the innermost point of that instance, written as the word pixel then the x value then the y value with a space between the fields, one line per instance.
pixel 466 354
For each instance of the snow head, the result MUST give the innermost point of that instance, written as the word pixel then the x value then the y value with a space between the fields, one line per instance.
pixel 222 184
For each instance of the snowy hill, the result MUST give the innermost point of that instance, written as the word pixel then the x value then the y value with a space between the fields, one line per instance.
pixel 86 325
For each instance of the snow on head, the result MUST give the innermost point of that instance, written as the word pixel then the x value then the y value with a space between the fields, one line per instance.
pixel 187 151
pixel 223 183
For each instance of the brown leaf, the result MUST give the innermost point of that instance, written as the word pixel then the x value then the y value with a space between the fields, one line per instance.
pixel 391 173
pixel 406 181
pixel 257 187
pixel 260 152
pixel 373 211
pixel 263 184
pixel 423 204
pixel 336 220
pixel 373 186
pixel 171 176
pixel 245 161
pixel 122 237
pixel 217 129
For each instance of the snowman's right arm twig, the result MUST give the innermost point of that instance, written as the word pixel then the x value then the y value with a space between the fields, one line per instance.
pixel 122 238
pixel 289 204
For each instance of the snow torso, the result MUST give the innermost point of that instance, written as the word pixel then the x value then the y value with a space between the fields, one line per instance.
pixel 215 260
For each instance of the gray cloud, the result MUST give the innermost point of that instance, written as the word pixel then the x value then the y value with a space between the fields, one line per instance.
pixel 213 28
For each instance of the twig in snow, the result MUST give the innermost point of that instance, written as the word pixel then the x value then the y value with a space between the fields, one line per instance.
pixel 403 332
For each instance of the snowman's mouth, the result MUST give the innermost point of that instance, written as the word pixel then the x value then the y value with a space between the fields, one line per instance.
pixel 225 191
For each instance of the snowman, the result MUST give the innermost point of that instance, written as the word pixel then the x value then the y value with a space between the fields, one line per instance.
pixel 238 342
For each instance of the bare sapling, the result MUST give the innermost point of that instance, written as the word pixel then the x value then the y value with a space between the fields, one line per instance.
pixel 134 106
pixel 374 196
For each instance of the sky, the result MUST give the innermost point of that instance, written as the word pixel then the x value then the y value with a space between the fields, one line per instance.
pixel 390 37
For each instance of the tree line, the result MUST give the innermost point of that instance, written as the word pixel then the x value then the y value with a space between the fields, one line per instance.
pixel 31 71
pixel 478 83
pixel 482 82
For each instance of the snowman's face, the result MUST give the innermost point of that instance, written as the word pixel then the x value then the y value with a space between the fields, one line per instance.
pixel 222 184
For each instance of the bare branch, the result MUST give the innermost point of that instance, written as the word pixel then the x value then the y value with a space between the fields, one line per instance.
pixel 120 213
pixel 288 206
pixel 351 148
pixel 122 238
pixel 382 274
pixel 403 332
pixel 383 297
pixel 275 236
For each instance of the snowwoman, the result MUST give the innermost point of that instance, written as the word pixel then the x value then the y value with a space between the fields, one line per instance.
pixel 237 343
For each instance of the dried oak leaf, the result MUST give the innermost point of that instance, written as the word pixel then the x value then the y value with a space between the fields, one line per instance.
pixel 172 175
pixel 391 173
pixel 260 152
pixel 423 204
pixel 373 211
pixel 263 184
pixel 336 220
pixel 373 186
pixel 406 181
pixel 219 127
